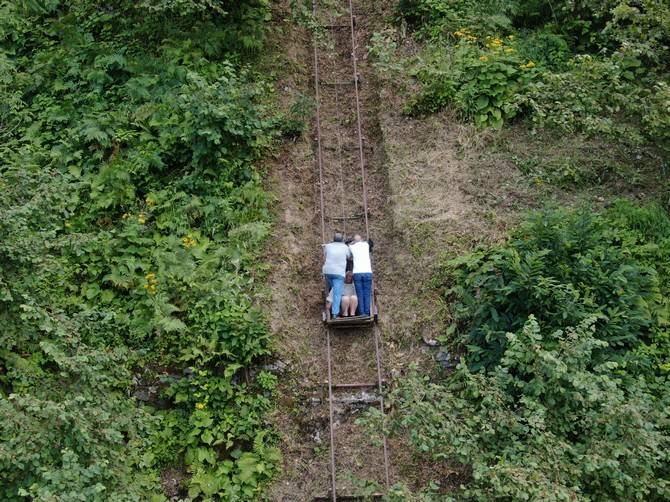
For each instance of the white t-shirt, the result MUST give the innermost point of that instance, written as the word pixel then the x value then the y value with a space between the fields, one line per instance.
pixel 361 252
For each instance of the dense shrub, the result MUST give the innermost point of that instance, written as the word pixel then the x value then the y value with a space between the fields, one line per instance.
pixel 68 429
pixel 562 390
pixel 132 216
pixel 563 268
pixel 548 423
pixel 483 84
pixel 599 68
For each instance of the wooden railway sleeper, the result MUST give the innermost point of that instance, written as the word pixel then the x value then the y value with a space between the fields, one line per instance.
pixel 342 497
pixel 348 147
pixel 333 25
pixel 347 218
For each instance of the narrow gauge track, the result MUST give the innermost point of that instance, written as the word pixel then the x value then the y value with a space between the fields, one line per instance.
pixel 343 191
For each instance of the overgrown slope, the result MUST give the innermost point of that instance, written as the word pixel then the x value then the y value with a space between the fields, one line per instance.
pixel 594 67
pixel 569 318
pixel 559 315
pixel 131 220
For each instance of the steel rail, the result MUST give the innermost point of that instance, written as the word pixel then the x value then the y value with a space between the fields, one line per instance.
pixel 339 155
pixel 381 406
pixel 358 118
pixel 361 156
pixel 359 127
pixel 318 130
pixel 333 478
pixel 360 148
pixel 323 240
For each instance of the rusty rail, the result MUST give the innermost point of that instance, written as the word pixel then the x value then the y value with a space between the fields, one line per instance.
pixel 318 131
pixel 361 160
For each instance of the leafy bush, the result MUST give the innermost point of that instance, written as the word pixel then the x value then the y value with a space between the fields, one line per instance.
pixel 438 18
pixel 585 97
pixel 482 83
pixel 564 268
pixel 69 431
pixel 132 214
pixel 562 391
pixel 218 428
pixel 599 68
pixel 546 424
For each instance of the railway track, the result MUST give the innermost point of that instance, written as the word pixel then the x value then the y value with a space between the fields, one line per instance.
pixel 342 186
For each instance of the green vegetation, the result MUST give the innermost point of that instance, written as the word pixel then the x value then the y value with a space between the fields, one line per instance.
pixel 562 393
pixel 132 217
pixel 563 330
pixel 564 268
pixel 594 67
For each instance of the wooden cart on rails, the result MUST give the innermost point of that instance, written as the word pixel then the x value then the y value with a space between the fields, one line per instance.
pixel 358 321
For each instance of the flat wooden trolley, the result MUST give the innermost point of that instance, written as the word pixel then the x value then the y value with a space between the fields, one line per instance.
pixel 358 321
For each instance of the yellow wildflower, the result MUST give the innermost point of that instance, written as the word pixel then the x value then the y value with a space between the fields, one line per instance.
pixel 465 34
pixel 509 50
pixel 141 218
pixel 483 58
pixel 510 37
pixel 530 64
pixel 125 216
pixel 199 406
pixel 68 224
pixel 151 284
pixel 189 241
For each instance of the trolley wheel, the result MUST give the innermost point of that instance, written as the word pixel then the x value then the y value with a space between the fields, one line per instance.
pixel 324 306
pixel 376 312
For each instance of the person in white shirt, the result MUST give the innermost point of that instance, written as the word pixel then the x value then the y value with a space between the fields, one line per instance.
pixel 361 250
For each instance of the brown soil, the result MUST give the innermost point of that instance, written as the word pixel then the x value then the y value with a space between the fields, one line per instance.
pixel 302 416
pixel 173 482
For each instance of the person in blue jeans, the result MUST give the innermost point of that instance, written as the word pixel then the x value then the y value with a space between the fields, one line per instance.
pixel 360 251
pixel 335 256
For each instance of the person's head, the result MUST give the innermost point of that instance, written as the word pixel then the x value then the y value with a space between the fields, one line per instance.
pixel 338 237
pixel 349 277
pixel 358 238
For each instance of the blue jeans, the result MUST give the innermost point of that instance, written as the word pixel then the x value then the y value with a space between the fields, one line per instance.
pixel 335 282
pixel 363 285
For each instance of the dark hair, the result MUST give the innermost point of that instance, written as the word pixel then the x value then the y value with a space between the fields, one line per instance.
pixel 338 237
pixel 349 277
